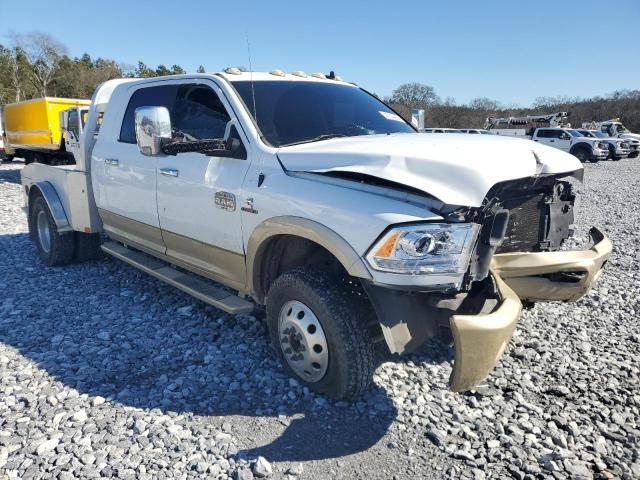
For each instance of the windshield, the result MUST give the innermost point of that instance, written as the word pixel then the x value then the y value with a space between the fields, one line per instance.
pixel 587 133
pixel 291 112
pixel 623 129
pixel 599 134
pixel 574 133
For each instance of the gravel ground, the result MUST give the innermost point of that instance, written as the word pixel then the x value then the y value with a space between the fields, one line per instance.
pixel 106 372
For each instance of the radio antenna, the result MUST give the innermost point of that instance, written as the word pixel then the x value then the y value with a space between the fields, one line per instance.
pixel 253 91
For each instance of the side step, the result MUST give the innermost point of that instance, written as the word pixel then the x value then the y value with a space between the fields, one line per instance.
pixel 190 283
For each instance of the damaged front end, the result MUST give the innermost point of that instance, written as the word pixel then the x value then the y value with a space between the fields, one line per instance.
pixel 516 260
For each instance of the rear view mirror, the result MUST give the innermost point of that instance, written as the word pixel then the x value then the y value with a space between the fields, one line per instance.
pixel 153 129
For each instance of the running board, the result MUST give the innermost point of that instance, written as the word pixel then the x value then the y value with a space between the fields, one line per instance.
pixel 190 283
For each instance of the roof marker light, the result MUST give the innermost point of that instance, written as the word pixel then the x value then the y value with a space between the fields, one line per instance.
pixel 277 72
pixel 318 75
pixel 233 71
pixel 299 73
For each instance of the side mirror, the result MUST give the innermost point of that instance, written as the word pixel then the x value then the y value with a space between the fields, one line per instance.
pixel 564 136
pixel 153 129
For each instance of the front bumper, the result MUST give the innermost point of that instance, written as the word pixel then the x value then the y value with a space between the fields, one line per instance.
pixel 600 154
pixel 480 340
pixel 554 276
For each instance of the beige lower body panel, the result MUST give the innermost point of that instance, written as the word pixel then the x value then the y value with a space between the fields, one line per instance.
pixel 480 340
pixel 530 274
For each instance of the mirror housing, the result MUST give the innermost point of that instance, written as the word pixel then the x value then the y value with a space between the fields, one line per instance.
pixel 153 129
pixel 565 136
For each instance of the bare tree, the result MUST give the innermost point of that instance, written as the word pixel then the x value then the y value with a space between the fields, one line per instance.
pixel 43 55
pixel 484 103
pixel 414 95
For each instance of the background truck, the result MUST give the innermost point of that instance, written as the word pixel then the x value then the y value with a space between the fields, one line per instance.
pixel 41 130
pixel 615 128
pixel 618 148
pixel 553 130
pixel 313 198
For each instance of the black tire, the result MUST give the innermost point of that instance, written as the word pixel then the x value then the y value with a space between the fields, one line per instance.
pixel 7 159
pixel 634 155
pixel 87 246
pixel 61 246
pixel 344 318
pixel 583 154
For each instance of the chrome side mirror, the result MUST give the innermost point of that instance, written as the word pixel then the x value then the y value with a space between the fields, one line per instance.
pixel 153 129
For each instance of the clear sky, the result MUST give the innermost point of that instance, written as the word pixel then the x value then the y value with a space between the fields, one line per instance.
pixel 509 50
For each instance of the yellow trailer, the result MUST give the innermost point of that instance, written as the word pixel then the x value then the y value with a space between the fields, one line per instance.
pixel 33 129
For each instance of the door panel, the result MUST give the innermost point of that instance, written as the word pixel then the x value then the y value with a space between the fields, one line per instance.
pixel 196 228
pixel 188 211
pixel 126 187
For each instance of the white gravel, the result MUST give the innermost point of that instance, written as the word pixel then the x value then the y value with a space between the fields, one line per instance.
pixel 106 372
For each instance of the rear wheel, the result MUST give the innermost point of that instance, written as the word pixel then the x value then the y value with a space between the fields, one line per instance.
pixel 320 332
pixel 54 248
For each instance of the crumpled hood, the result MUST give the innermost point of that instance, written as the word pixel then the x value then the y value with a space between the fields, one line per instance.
pixel 457 169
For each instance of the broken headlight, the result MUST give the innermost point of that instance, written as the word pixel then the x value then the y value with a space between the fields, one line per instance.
pixel 435 248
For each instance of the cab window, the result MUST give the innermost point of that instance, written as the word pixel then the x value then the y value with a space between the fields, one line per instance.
pixel 158 96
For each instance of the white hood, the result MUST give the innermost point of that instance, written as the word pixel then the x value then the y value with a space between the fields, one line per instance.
pixel 457 169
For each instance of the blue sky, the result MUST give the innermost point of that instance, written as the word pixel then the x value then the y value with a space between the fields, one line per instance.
pixel 511 51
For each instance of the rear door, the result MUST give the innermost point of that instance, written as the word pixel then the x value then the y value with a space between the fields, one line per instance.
pixel 200 196
pixel 127 180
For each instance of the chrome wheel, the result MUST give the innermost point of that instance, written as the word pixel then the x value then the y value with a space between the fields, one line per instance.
pixel 303 341
pixel 44 232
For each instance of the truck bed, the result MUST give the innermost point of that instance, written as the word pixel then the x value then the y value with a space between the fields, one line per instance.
pixel 73 187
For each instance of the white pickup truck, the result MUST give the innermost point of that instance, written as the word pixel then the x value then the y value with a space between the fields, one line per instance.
pixel 310 196
pixel 567 139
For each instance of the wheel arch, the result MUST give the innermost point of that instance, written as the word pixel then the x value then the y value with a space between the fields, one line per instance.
pixel 583 145
pixel 289 228
pixel 48 192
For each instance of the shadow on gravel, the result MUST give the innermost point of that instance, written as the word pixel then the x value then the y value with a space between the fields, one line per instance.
pixel 108 330
pixel 10 175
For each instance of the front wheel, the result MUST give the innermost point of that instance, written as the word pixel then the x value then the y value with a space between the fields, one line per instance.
pixel 319 330
pixel 583 154
pixel 54 248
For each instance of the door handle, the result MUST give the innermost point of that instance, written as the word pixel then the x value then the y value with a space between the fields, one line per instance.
pixel 552 141
pixel 111 161
pixel 169 172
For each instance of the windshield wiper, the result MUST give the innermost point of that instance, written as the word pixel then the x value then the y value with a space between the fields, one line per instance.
pixel 319 138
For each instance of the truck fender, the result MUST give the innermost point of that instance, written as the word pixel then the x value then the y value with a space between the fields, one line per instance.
pixel 308 229
pixel 50 196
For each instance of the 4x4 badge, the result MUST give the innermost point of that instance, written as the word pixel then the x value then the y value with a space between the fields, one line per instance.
pixel 226 201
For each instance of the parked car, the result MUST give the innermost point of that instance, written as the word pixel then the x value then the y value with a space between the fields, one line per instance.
pixel 618 149
pixel 476 131
pixel 311 197
pixel 440 130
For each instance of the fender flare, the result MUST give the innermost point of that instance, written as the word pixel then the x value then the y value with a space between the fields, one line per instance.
pixel 304 228
pixel 56 208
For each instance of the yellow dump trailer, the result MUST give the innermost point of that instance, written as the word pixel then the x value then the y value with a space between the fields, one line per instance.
pixel 32 128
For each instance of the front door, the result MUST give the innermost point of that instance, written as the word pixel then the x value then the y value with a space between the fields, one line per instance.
pixel 200 196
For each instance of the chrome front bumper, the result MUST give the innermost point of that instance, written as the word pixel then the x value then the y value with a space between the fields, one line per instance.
pixel 480 340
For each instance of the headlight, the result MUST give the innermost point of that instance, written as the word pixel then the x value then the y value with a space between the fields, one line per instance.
pixel 435 248
pixel 602 146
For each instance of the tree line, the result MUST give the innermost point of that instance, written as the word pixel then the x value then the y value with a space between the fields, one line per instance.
pixel 35 65
pixel 623 104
